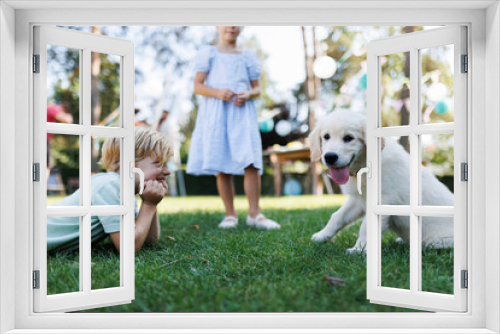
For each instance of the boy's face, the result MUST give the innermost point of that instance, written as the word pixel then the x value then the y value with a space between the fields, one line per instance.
pixel 153 170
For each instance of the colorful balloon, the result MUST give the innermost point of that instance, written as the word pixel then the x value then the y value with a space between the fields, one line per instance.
pixel 266 125
pixel 292 188
pixel 324 67
pixel 283 128
pixel 362 82
pixel 441 107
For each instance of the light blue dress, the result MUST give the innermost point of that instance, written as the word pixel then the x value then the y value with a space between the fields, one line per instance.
pixel 226 137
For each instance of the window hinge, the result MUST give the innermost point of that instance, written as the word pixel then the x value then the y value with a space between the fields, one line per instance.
pixel 36 172
pixel 465 171
pixel 465 279
pixel 465 64
pixel 36 63
pixel 36 279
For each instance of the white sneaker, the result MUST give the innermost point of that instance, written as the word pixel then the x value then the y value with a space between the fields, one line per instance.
pixel 261 222
pixel 229 222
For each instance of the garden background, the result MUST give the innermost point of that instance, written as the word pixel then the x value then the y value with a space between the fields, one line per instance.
pixel 198 268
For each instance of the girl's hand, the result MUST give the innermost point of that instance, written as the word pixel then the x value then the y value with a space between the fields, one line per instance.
pixel 226 94
pixel 242 97
pixel 153 193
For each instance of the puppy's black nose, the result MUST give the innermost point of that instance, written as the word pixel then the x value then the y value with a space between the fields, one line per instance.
pixel 331 158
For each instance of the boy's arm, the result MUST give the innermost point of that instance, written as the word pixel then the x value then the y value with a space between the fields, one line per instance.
pixel 152 195
pixel 142 227
pixel 154 230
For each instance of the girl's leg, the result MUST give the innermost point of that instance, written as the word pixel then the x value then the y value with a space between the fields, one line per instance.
pixel 225 187
pixel 252 190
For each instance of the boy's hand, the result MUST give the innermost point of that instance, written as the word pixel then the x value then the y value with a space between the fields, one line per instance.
pixel 242 97
pixel 226 94
pixel 165 185
pixel 154 191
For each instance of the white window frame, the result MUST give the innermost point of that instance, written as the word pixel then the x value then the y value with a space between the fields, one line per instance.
pixel 414 296
pixel 483 20
pixel 85 297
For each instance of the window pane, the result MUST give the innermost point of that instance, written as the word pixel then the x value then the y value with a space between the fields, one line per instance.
pixel 63 255
pixel 395 253
pixel 63 84
pixel 437 159
pixel 105 94
pixel 437 254
pixel 63 169
pixel 395 89
pixel 105 258
pixel 437 84
pixel 395 170
pixel 105 166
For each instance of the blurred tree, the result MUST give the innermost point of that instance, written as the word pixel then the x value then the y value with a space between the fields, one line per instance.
pixel 347 87
pixel 63 63
pixel 173 48
pixel 264 101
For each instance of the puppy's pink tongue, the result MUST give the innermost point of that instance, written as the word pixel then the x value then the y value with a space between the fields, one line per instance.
pixel 340 175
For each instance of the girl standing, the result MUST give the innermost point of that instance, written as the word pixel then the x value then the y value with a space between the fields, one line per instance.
pixel 226 139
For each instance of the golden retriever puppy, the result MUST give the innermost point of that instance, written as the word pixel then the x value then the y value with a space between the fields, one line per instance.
pixel 339 141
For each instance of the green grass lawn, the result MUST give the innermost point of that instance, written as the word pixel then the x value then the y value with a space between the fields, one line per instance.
pixel 198 268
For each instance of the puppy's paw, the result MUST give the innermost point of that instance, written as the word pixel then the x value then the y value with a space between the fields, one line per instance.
pixel 355 251
pixel 321 236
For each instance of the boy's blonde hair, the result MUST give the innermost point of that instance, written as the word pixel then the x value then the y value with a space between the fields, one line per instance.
pixel 148 143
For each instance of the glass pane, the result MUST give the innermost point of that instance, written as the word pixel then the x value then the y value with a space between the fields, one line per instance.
pixel 437 157
pixel 397 167
pixel 395 90
pixel 63 84
pixel 105 258
pixel 437 254
pixel 105 94
pixel 105 166
pixel 437 84
pixel 63 254
pixel 395 252
pixel 63 169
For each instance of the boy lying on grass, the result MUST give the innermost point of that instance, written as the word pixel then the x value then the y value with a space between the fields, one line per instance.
pixel 152 151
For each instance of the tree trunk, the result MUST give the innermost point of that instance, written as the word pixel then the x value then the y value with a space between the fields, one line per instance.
pixel 317 80
pixel 405 97
pixel 309 85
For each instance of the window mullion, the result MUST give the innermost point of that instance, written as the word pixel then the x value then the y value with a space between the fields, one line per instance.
pixel 85 245
pixel 67 129
pixel 415 240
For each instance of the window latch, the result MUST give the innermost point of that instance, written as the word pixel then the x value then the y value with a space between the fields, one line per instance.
pixel 368 171
pixel 139 171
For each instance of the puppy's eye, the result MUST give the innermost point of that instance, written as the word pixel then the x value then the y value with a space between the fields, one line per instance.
pixel 326 137
pixel 347 138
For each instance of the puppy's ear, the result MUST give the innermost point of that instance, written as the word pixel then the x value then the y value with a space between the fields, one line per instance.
pixel 382 140
pixel 382 143
pixel 315 144
pixel 363 135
